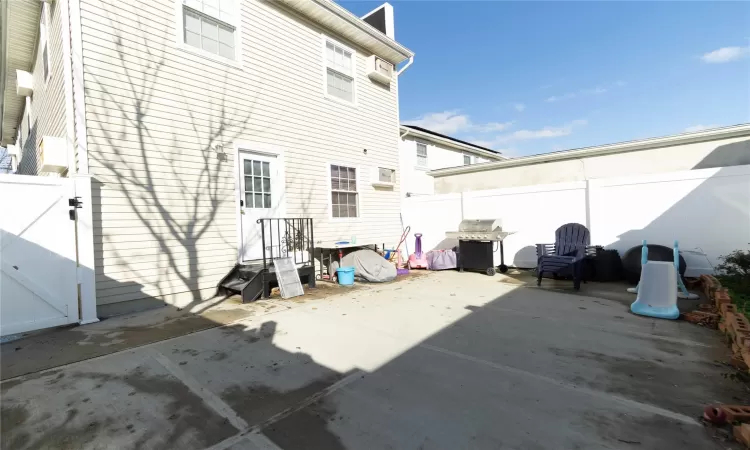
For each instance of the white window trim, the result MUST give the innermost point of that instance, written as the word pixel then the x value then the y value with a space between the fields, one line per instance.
pixel 324 71
pixel 44 35
pixel 329 192
pixel 416 156
pixel 237 24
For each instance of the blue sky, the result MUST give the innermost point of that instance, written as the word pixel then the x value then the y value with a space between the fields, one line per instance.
pixel 534 77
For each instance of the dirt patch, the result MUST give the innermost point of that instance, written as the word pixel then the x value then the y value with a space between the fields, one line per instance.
pixel 306 429
pixel 256 403
pixel 217 356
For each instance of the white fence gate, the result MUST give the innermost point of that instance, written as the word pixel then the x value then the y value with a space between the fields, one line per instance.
pixel 38 276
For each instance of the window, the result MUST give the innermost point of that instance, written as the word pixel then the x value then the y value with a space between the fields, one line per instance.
pixel 257 184
pixel 467 160
pixel 208 25
pixel 421 154
pixel 339 71
pixel 44 40
pixel 344 191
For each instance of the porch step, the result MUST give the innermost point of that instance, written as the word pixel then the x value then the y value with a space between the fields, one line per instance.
pixel 244 280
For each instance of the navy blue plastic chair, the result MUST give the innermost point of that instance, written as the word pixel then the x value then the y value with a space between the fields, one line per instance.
pixel 568 252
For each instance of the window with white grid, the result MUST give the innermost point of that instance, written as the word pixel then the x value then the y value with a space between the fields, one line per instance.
pixel 339 62
pixel 421 154
pixel 344 197
pixel 467 160
pixel 44 40
pixel 209 25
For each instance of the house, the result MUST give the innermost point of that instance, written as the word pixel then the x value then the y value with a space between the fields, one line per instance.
pixel 423 150
pixel 195 118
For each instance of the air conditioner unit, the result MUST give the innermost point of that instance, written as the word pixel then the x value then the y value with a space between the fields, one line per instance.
pixel 53 153
pixel 383 177
pixel 24 83
pixel 379 70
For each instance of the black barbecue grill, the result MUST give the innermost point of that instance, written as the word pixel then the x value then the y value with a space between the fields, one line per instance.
pixel 476 239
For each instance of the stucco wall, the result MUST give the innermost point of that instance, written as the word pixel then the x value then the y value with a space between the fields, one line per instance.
pixel 702 155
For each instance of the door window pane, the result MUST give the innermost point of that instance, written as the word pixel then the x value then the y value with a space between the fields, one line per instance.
pixel 266 185
pixel 257 184
pixel 256 167
pixel 248 200
pixel 267 200
pixel 258 200
pixel 266 169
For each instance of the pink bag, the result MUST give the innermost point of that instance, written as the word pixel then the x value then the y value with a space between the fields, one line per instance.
pixel 442 260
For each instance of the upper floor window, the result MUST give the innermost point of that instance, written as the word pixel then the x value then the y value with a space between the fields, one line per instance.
pixel 340 70
pixel 209 25
pixel 44 40
pixel 421 154
pixel 467 160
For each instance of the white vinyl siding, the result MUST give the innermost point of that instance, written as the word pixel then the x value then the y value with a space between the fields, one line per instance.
pixel 339 71
pixel 45 111
pixel 165 221
pixel 421 154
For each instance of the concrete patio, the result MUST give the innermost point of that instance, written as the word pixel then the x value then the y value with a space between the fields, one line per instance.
pixel 442 361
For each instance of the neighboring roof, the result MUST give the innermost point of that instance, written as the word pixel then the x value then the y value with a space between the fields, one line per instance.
pixel 458 144
pixel 334 17
pixel 609 149
pixel 19 25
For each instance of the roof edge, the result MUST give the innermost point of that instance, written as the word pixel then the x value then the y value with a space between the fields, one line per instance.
pixel 447 141
pixel 602 150
pixel 347 15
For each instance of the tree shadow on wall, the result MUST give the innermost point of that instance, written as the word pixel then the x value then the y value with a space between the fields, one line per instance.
pixel 163 173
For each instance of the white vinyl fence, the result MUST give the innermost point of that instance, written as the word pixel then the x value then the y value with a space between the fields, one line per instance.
pixel 707 210
pixel 42 265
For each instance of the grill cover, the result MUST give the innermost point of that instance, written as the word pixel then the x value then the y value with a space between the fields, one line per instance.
pixel 480 225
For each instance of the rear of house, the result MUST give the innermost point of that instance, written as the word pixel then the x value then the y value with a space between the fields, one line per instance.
pixel 196 118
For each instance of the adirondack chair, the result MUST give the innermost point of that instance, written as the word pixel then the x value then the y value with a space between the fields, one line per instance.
pixel 567 252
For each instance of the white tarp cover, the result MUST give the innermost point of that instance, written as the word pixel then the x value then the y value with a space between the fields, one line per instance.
pixel 368 265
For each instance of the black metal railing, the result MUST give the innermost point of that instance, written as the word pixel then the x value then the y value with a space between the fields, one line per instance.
pixel 287 237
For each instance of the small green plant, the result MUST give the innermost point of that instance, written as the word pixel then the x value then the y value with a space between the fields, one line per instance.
pixel 734 274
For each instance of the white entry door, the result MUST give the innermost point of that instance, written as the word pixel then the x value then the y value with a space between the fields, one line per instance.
pixel 38 275
pixel 261 189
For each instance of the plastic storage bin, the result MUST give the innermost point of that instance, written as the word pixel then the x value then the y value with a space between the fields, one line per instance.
pixel 345 275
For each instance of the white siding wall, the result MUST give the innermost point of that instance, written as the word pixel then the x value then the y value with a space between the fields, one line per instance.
pixel 165 217
pixel 46 109
pixel 414 178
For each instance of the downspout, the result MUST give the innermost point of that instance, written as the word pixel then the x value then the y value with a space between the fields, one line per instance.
pixel 587 196
pixel 411 60
pixel 3 62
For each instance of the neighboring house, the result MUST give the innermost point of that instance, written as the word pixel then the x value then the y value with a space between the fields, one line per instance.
pixel 197 117
pixel 423 150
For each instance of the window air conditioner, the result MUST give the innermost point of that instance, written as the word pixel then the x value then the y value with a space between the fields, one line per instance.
pixel 379 70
